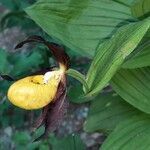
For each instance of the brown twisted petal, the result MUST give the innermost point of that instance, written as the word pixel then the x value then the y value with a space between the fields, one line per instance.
pixel 53 113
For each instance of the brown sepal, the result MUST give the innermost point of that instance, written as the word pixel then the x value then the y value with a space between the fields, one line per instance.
pixel 56 50
pixel 53 113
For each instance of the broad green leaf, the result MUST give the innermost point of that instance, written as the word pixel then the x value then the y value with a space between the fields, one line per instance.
pixel 80 24
pixel 80 77
pixel 141 57
pixel 72 142
pixel 106 111
pixel 133 85
pixel 141 8
pixel 132 134
pixel 111 54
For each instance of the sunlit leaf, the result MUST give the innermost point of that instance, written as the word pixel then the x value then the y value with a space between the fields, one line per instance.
pixel 111 54
pixel 133 85
pixel 80 25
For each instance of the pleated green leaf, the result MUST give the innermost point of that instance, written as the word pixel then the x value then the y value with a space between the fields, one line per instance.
pixel 133 85
pixel 80 24
pixel 132 134
pixel 106 111
pixel 111 54
pixel 141 57
pixel 141 8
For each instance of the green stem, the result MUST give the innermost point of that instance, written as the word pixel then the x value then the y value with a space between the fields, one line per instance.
pixel 80 77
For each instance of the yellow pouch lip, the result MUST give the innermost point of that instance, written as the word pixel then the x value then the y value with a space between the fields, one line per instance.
pixel 32 93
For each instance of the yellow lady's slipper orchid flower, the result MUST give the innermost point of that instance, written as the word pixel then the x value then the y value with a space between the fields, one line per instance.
pixel 35 92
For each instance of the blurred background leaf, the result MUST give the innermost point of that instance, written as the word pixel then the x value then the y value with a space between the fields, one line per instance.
pixel 26 62
pixel 16 4
pixel 15 15
pixel 3 61
pixel 72 142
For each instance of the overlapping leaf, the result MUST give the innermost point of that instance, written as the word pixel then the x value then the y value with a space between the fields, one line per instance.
pixel 140 57
pixel 141 8
pixel 80 25
pixel 106 111
pixel 111 54
pixel 134 87
pixel 132 134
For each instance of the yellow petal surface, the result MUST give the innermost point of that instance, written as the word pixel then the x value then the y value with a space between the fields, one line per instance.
pixel 32 93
